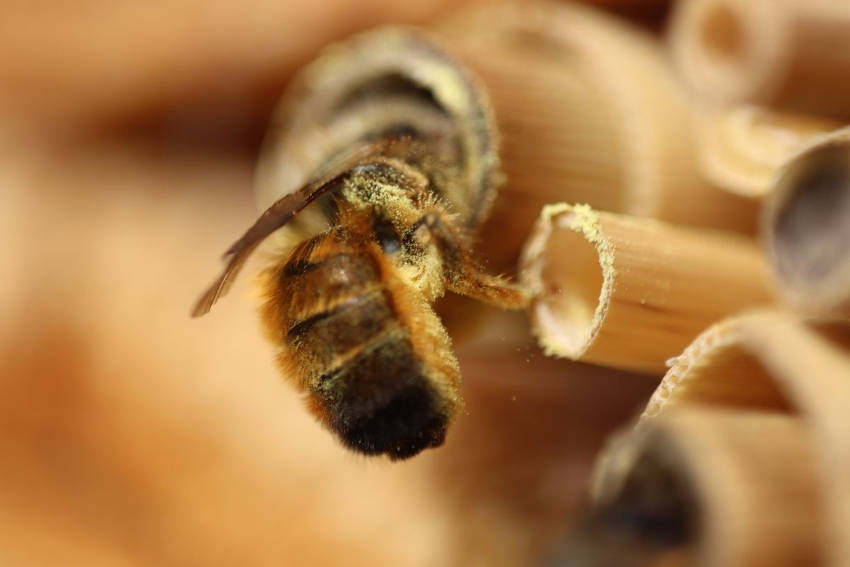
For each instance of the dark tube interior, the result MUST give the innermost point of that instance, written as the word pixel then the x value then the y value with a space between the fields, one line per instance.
pixel 811 229
pixel 655 513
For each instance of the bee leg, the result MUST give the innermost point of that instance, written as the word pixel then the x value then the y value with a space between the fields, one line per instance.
pixel 462 274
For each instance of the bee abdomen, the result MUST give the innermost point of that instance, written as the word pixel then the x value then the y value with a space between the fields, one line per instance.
pixel 382 401
pixel 311 286
pixel 355 358
pixel 329 337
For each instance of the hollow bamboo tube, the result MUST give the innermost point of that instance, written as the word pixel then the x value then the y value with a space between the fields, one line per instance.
pixel 771 360
pixel 743 486
pixel 785 53
pixel 629 292
pixel 163 61
pixel 374 83
pixel 741 148
pixel 631 4
pixel 588 111
pixel 764 360
pixel 806 227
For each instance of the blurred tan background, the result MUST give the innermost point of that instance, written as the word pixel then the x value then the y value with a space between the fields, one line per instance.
pixel 133 435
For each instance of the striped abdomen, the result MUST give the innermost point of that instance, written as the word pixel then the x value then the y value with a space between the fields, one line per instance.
pixel 349 344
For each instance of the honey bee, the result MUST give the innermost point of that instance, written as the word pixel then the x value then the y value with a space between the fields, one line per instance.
pixel 391 147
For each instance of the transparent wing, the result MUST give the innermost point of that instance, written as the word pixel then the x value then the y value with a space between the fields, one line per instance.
pixel 283 210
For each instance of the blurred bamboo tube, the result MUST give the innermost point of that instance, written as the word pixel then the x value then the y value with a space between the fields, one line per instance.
pixel 766 360
pixel 630 292
pixel 744 484
pixel 806 227
pixel 166 61
pixel 784 53
pixel 741 148
pixel 771 360
pixel 588 111
pixel 632 4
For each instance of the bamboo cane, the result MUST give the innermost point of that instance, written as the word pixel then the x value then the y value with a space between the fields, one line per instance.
pixel 741 487
pixel 785 53
pixel 771 360
pixel 629 292
pixel 806 227
pixel 741 148
pixel 588 111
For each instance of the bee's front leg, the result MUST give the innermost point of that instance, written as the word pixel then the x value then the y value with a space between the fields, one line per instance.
pixel 462 274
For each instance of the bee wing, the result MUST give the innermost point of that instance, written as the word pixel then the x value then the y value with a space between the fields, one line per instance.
pixel 282 211
pixel 276 216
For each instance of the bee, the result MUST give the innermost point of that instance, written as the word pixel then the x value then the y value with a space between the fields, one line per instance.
pixel 378 167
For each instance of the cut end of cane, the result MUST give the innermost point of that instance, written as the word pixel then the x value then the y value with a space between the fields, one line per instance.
pixel 641 483
pixel 703 479
pixel 741 147
pixel 727 366
pixel 730 51
pixel 568 264
pixel 807 226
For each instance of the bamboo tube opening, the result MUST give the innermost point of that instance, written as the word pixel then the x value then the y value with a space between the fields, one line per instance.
pixel 719 369
pixel 730 50
pixel 735 488
pixel 788 366
pixel 741 148
pixel 785 54
pixel 572 305
pixel 822 208
pixel 652 499
pixel 758 360
pixel 628 292
pixel 807 226
pixel 370 86
pixel 722 33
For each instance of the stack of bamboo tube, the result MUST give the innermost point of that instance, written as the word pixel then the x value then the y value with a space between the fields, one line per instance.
pixel 692 210
pixel 649 163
